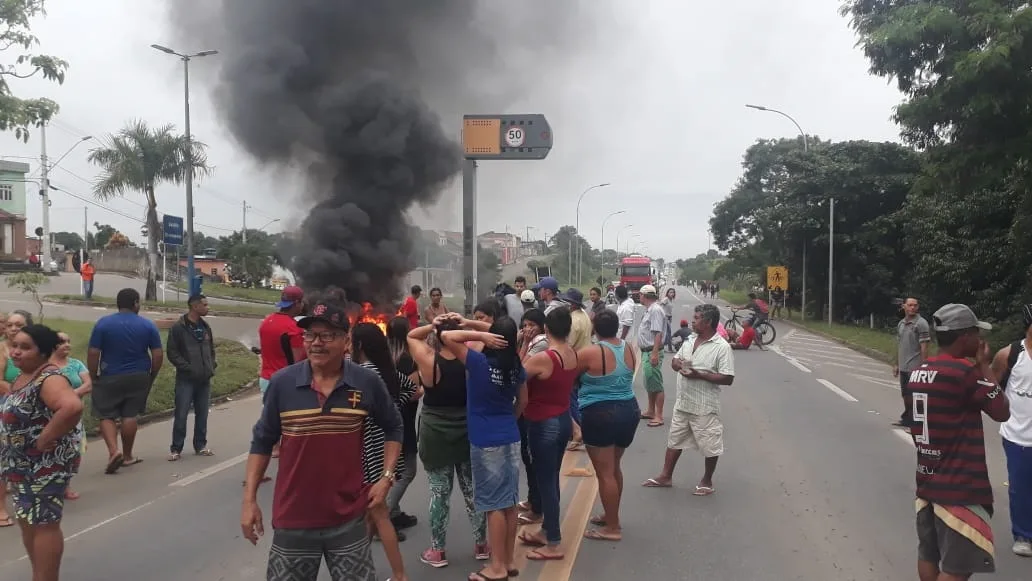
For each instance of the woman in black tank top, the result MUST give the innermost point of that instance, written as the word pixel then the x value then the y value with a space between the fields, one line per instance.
pixel 444 438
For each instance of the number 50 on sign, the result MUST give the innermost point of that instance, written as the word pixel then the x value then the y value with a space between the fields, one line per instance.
pixel 514 137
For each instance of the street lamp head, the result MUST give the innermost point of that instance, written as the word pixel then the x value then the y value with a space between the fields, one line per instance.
pixel 206 53
pixel 86 138
pixel 757 107
pixel 163 49
pixel 603 185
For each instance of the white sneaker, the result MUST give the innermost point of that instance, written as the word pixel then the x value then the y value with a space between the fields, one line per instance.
pixel 1022 548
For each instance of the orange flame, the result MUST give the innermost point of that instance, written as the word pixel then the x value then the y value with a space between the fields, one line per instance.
pixel 369 315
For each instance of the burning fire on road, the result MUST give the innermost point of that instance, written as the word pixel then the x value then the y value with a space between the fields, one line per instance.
pixel 369 314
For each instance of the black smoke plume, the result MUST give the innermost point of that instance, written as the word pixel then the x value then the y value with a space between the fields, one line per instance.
pixel 334 90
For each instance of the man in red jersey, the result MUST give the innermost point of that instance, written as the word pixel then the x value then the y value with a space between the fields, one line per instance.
pixel 954 495
pixel 279 338
pixel 410 308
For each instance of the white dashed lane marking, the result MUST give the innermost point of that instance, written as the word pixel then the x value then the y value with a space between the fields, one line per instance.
pixel 837 390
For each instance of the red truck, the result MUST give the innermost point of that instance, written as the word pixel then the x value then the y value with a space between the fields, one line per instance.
pixel 635 272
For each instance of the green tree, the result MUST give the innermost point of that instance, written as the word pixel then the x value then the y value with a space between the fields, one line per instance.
pixel 779 206
pixel 70 240
pixel 16 35
pixel 590 263
pixel 965 71
pixel 137 159
pixel 29 283
pixel 102 237
pixel 252 261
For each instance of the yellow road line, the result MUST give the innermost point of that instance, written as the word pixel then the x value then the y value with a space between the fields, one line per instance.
pixel 574 524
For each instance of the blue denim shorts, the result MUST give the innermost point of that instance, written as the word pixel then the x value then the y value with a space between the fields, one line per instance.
pixel 610 423
pixel 496 476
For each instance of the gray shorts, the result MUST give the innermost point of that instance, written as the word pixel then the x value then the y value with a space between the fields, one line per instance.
pixel 121 396
pixel 297 554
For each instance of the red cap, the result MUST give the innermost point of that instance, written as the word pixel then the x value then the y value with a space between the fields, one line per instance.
pixel 290 296
pixel 684 322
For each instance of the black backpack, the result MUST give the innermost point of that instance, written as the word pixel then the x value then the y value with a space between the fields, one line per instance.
pixel 1012 359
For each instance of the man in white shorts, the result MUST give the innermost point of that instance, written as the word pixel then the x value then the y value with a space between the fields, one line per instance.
pixel 704 363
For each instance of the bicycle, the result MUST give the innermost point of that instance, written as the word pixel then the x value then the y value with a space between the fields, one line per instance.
pixel 765 331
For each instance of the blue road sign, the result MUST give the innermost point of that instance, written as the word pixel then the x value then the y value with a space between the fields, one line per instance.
pixel 172 229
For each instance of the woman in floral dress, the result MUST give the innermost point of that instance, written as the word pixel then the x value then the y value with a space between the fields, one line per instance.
pixel 39 446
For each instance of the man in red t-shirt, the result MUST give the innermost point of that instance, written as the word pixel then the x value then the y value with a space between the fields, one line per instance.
pixel 279 336
pixel 745 339
pixel 954 494
pixel 410 308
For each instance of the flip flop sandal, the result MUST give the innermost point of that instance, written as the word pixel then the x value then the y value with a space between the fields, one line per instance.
pixel 654 424
pixel 530 541
pixel 132 461
pixel 703 491
pixel 653 483
pixel 537 555
pixel 205 452
pixel 525 505
pixel 597 535
pixel 480 576
pixel 524 518
pixel 598 520
pixel 114 464
pixel 6 522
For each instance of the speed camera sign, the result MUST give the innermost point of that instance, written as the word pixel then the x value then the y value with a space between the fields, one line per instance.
pixel 514 137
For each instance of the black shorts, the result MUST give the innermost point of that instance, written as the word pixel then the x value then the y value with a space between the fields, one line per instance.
pixel 955 553
pixel 610 423
pixel 121 396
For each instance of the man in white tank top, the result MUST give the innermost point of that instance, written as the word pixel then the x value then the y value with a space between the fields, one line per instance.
pixel 1013 368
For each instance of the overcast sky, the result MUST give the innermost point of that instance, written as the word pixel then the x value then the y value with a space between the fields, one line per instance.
pixel 653 104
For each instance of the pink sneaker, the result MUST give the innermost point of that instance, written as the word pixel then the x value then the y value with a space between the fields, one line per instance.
pixel 481 552
pixel 435 559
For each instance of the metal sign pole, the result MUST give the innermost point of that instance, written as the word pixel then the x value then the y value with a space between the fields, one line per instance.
pixel 164 272
pixel 469 235
pixel 496 137
pixel 179 280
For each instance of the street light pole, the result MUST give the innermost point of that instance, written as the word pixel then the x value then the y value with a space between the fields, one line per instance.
pixel 602 242
pixel 618 233
pixel 577 232
pixel 195 286
pixel 831 216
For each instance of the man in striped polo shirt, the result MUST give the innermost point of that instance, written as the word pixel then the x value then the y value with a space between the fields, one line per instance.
pixel 954 495
pixel 318 407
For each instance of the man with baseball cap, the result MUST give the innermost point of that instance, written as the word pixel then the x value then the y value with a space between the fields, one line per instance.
pixel 651 332
pixel 548 291
pixel 279 336
pixel 954 494
pixel 319 407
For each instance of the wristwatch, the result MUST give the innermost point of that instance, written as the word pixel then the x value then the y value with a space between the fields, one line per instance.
pixel 388 475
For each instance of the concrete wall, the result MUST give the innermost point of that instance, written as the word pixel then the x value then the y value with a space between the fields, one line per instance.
pixel 124 260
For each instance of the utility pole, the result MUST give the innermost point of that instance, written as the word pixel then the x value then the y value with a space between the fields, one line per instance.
pixel 244 234
pixel 44 194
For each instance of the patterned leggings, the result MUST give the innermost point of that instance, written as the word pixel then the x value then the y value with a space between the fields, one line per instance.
pixel 441 480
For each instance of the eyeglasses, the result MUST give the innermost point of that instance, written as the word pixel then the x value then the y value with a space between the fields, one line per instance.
pixel 325 336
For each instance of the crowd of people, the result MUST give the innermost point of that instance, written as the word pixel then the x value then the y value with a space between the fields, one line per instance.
pixel 491 401
pixel 504 393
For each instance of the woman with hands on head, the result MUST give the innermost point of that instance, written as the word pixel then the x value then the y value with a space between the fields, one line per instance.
pixel 444 436
pixel 496 394
pixel 39 446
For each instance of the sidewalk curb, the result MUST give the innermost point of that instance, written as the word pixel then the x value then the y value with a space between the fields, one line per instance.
pixel 165 414
pixel 872 353
pixel 159 309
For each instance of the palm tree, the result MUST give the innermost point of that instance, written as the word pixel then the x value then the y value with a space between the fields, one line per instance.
pixel 136 159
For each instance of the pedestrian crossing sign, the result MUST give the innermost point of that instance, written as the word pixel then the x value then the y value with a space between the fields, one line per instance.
pixel 777 278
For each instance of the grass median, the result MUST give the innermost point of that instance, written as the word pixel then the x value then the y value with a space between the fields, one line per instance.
pixel 221 291
pixel 172 305
pixel 237 367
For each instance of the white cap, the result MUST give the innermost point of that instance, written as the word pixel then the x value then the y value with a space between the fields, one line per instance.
pixel 648 289
pixel 527 296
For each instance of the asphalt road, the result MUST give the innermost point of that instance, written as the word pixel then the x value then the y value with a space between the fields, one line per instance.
pixel 815 485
